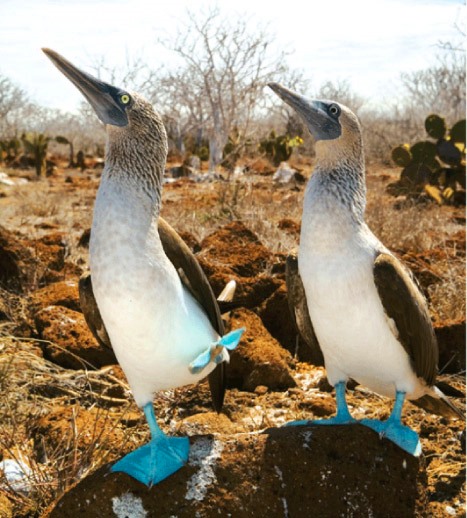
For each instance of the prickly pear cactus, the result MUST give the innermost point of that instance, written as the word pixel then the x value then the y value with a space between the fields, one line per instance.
pixel 279 148
pixel 35 145
pixel 433 168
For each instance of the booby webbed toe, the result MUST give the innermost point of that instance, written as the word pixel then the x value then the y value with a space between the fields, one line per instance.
pixel 394 430
pixel 156 460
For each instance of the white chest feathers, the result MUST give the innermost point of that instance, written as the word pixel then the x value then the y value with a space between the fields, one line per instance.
pixel 155 325
pixel 355 335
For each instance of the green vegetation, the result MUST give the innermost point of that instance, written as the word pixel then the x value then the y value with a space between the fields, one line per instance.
pixel 35 146
pixel 279 148
pixel 435 168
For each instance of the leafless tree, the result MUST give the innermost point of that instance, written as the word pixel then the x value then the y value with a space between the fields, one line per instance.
pixel 135 74
pixel 440 88
pixel 183 109
pixel 14 106
pixel 342 92
pixel 226 64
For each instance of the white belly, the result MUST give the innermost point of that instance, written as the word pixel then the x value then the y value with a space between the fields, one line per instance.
pixel 350 323
pixel 155 326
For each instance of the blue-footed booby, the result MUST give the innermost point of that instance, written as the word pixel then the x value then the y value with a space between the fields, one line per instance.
pixel 155 302
pixel 367 314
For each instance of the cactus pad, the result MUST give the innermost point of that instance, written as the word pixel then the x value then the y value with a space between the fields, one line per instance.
pixel 448 152
pixel 401 155
pixel 435 126
pixel 458 132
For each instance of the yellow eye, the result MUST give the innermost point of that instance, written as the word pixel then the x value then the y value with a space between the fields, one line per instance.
pixel 125 99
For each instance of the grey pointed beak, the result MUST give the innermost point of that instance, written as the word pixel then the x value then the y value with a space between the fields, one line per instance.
pixel 104 98
pixel 313 112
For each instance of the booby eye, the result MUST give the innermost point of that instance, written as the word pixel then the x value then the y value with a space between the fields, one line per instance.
pixel 125 99
pixel 334 110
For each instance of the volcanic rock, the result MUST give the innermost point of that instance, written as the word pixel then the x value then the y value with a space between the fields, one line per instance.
pixel 451 338
pixel 72 344
pixel 291 471
pixel 25 262
pixel 64 425
pixel 275 314
pixel 235 252
pixel 64 293
pixel 259 359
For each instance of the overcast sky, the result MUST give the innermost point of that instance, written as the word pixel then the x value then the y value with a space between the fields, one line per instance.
pixel 368 42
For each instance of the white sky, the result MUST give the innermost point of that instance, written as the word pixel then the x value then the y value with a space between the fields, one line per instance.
pixel 368 42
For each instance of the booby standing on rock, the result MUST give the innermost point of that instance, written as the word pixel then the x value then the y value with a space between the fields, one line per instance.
pixel 165 333
pixel 367 314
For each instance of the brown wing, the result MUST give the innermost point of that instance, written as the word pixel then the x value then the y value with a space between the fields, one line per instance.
pixel 196 282
pixel 407 307
pixel 91 311
pixel 192 277
pixel 299 308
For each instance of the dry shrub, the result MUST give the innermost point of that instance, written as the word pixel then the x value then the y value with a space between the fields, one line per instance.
pixel 31 388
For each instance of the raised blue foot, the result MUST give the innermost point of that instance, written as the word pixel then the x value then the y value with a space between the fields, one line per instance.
pixel 394 430
pixel 342 415
pixel 158 459
pixel 214 352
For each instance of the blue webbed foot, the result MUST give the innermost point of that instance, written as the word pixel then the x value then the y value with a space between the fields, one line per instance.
pixel 156 460
pixel 214 351
pixel 399 434
pixel 393 429
pixel 342 416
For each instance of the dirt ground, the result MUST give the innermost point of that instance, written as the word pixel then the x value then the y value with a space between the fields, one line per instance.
pixel 62 418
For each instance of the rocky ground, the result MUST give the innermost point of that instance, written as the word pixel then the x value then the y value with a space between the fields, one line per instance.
pixel 65 408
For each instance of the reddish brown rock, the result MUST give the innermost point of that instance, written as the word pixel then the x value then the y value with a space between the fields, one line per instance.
pixel 451 338
pixel 250 292
pixel 66 426
pixel 259 359
pixel 190 240
pixel 293 471
pixel 235 252
pixel 64 293
pixel 72 344
pixel 276 317
pixel 238 248
pixel 25 263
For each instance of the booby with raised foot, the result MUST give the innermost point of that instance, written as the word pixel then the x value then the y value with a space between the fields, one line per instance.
pixel 367 315
pixel 156 305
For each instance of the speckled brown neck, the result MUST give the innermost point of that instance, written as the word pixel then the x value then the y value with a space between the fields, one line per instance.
pixel 136 154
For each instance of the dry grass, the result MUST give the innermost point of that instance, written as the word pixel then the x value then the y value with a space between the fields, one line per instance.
pixel 32 388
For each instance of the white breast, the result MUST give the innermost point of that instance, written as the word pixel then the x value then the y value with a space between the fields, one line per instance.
pixel 155 326
pixel 336 266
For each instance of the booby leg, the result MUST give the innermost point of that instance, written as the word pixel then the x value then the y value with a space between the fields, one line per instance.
pixel 158 459
pixel 215 351
pixel 394 430
pixel 342 415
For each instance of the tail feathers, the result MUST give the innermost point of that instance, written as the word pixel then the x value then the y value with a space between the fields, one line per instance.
pixel 228 292
pixel 225 300
pixel 439 404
